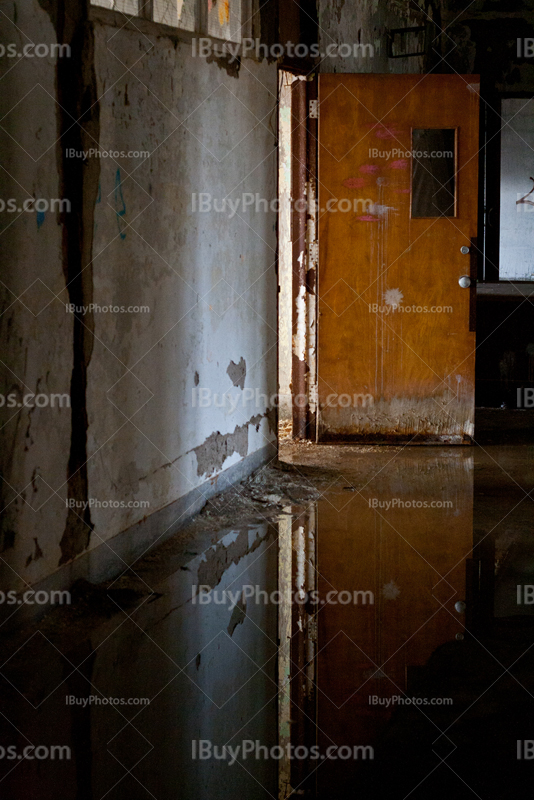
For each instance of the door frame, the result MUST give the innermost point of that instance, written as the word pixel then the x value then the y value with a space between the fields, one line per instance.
pixel 304 258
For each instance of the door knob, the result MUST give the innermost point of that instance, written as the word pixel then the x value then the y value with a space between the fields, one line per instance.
pixel 464 250
pixel 465 281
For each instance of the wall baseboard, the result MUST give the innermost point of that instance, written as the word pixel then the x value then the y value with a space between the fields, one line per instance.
pixel 110 558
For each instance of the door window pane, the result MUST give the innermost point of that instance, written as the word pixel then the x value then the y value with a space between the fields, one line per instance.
pixel 433 172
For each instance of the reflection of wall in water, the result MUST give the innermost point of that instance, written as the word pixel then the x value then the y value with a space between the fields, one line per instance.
pixel 210 674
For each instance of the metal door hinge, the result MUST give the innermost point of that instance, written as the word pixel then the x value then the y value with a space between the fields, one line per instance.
pixel 314 252
pixel 314 109
pixel 312 630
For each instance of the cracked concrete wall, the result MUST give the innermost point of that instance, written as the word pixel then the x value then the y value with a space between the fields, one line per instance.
pixel 36 334
pixel 479 38
pixel 208 281
pixel 343 22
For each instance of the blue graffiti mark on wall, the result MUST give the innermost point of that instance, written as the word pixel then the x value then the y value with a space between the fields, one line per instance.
pixel 120 205
pixel 40 218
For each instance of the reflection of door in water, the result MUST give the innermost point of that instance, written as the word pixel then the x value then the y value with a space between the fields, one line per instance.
pixel 404 567
pixel 396 354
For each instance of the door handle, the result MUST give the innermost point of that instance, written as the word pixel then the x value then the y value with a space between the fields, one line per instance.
pixel 465 281
pixel 464 250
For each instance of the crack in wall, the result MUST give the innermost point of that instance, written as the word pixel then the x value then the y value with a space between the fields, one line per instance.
pixel 78 128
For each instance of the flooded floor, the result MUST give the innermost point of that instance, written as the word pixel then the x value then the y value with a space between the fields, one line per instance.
pixel 355 623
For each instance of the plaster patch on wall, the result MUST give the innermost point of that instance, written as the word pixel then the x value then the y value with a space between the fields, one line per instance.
pixel 212 454
pixel 237 372
pixel 299 338
pixel 227 62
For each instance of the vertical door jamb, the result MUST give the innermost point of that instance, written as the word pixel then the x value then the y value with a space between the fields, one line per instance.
pixel 313 258
pixel 304 251
pixel 298 238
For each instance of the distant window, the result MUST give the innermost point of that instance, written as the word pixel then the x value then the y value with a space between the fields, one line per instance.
pixel 516 262
pixel 220 19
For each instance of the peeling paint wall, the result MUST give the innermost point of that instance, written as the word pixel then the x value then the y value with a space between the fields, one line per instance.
pixel 209 281
pixel 148 413
pixel 35 332
pixel 363 26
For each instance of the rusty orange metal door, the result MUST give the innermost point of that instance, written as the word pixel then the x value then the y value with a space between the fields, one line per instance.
pixel 398 195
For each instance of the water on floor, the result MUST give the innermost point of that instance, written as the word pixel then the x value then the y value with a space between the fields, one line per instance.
pixel 372 643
